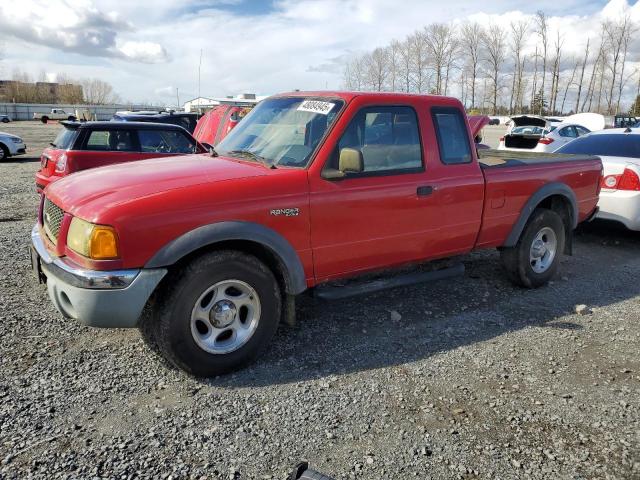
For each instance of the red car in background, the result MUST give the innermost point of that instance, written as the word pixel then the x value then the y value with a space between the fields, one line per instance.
pixel 214 125
pixel 81 146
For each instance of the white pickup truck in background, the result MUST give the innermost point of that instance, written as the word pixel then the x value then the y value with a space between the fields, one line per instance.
pixel 60 114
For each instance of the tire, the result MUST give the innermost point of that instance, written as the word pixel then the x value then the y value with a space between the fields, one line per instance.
pixel 527 263
pixel 4 152
pixel 71 118
pixel 44 119
pixel 183 323
pixel 5 120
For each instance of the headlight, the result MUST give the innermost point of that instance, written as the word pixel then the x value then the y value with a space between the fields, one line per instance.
pixel 61 163
pixel 98 242
pixel 16 140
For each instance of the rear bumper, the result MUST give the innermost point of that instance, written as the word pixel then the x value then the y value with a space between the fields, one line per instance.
pixel 621 206
pixel 42 181
pixel 106 299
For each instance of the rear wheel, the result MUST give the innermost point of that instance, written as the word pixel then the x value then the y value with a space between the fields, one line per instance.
pixel 216 315
pixel 534 260
pixel 71 118
pixel 44 119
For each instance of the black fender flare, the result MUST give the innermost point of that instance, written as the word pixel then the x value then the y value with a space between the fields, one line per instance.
pixel 235 230
pixel 540 195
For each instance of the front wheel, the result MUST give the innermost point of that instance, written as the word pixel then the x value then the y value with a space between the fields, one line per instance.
pixel 44 119
pixel 215 315
pixel 534 260
pixel 4 152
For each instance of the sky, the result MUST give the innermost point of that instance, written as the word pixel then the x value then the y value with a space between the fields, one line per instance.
pixel 149 48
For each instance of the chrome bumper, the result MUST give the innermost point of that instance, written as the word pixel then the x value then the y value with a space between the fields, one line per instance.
pixel 110 299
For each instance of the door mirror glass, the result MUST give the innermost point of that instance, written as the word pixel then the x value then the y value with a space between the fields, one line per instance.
pixel 350 161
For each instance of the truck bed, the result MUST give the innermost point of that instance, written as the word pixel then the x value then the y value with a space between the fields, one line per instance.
pixel 512 178
pixel 509 158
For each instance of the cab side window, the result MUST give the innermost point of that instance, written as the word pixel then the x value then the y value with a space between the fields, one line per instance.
pixel 452 136
pixel 388 138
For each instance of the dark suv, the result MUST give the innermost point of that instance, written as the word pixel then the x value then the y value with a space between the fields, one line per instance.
pixel 80 146
pixel 186 120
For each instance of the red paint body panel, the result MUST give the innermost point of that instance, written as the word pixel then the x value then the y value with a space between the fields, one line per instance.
pixel 345 227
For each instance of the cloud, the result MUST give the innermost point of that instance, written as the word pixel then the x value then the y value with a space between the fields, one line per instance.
pixel 248 47
pixel 75 26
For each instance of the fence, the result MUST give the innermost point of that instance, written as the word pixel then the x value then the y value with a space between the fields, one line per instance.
pixel 25 111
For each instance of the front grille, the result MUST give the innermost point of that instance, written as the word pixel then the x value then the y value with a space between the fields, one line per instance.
pixel 52 219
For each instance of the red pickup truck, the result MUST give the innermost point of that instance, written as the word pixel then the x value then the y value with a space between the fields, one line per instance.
pixel 307 189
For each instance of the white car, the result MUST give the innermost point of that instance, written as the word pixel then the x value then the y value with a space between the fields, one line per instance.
pixel 619 150
pixel 537 134
pixel 11 145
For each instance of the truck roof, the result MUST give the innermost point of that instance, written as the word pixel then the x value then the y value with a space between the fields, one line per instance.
pixel 350 95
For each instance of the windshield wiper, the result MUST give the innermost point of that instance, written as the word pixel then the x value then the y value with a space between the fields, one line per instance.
pixel 253 156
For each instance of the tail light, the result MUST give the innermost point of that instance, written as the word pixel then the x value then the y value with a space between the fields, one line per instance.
pixel 61 164
pixel 545 141
pixel 501 139
pixel 628 180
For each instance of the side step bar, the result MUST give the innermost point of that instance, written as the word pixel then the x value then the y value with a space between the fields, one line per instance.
pixel 359 288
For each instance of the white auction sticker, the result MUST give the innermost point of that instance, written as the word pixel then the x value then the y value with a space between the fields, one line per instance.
pixel 316 106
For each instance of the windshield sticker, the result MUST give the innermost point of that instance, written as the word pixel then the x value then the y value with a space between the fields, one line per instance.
pixel 316 106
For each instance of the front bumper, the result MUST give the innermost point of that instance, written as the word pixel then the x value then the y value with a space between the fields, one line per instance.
pixel 17 149
pixel 107 299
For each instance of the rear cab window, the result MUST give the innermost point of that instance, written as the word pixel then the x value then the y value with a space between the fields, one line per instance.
pixel 452 135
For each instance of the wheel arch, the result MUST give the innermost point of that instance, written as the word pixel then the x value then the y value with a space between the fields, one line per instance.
pixel 262 242
pixel 553 196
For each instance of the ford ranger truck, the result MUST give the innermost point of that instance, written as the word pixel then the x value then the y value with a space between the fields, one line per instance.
pixel 206 253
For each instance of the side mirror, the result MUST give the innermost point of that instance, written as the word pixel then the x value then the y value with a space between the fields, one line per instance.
pixel 350 161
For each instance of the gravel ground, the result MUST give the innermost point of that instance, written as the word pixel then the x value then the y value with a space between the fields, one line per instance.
pixel 466 378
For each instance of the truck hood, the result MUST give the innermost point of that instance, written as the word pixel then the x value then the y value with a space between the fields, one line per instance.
pixel 125 181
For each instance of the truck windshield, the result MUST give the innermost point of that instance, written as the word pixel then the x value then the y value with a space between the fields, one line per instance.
pixel 281 131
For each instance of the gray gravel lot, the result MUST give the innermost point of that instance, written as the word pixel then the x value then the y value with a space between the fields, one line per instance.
pixel 465 378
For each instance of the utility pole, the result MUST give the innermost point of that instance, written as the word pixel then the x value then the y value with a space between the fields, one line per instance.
pixel 178 97
pixel 199 67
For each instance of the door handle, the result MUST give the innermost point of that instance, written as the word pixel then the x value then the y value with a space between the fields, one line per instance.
pixel 425 190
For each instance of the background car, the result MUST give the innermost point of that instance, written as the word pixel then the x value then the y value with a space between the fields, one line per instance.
pixel 80 146
pixel 186 120
pixel 11 145
pixel 619 150
pixel 541 139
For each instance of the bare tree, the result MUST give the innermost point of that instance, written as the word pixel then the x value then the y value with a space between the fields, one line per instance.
pixel 471 44
pixel 555 73
pixel 377 68
pixel 98 92
pixel 518 31
pixel 419 60
pixel 441 45
pixel 568 85
pixel 616 37
pixel 584 65
pixel 542 27
pixel 494 42
pixel 405 64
